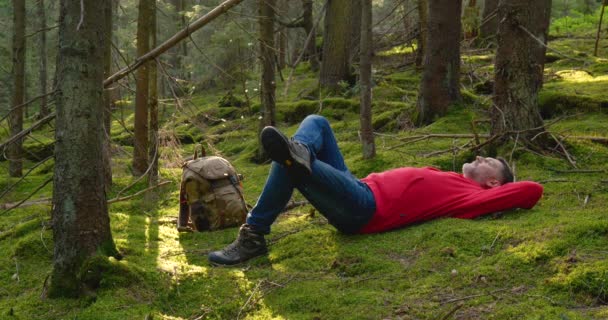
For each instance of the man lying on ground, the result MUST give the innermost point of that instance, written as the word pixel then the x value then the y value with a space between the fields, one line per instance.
pixel 312 163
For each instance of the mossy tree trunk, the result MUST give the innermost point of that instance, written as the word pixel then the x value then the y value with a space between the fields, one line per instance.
pixel 337 39
pixel 140 150
pixel 489 21
pixel 355 30
pixel 108 11
pixel 440 85
pixel 423 12
pixel 367 131
pixel 519 68
pixel 268 85
pixel 81 225
pixel 15 149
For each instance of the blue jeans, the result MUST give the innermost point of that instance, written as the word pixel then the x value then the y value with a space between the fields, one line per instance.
pixel 346 202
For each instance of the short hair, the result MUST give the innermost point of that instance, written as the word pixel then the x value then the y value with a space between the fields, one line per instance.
pixel 506 172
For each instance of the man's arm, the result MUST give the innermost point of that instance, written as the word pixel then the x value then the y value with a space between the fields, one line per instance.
pixel 524 194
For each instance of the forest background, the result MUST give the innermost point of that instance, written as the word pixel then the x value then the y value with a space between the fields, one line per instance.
pixel 219 85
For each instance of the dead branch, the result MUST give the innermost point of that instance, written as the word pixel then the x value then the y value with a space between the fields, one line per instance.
pixel 578 171
pixel 27 131
pixel 13 206
pixel 199 23
pixel 553 180
pixel 475 296
pixel 138 193
pixel 7 190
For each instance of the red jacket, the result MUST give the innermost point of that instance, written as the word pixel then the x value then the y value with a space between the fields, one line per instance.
pixel 410 195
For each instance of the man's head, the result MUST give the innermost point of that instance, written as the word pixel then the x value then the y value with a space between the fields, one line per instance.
pixel 488 172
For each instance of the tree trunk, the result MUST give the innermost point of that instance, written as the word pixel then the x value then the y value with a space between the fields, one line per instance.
pixel 355 30
pixel 154 152
pixel 108 11
pixel 81 225
pixel 43 59
pixel 267 92
pixel 176 52
pixel 335 66
pixel 489 20
pixel 140 154
pixel 311 48
pixel 15 149
pixel 367 131
pixel 281 36
pixel 423 14
pixel 440 85
pixel 519 67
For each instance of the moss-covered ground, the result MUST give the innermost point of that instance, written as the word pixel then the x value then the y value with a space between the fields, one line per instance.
pixel 550 262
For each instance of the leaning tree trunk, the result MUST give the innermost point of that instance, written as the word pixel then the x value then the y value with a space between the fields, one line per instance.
pixel 81 225
pixel 440 85
pixel 367 131
pixel 107 94
pixel 423 14
pixel 140 150
pixel 43 59
pixel 268 85
pixel 489 20
pixel 520 58
pixel 15 149
pixel 337 37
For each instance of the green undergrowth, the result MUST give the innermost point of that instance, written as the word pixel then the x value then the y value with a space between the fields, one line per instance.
pixel 546 263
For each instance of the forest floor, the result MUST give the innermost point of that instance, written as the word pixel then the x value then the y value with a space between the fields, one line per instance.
pixel 550 262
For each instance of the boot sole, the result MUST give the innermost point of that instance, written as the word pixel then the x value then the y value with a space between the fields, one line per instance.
pixel 276 146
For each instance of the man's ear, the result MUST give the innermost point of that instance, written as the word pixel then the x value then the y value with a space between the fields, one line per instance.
pixel 492 183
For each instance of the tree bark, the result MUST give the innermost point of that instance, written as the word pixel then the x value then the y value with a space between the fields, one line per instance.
pixel 489 20
pixel 140 150
pixel 367 131
pixel 108 11
pixel 15 150
pixel 154 152
pixel 440 85
pixel 81 225
pixel 266 18
pixel 43 59
pixel 519 67
pixel 423 13
pixel 311 47
pixel 337 39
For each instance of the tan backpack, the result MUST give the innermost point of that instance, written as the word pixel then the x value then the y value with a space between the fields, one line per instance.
pixel 211 195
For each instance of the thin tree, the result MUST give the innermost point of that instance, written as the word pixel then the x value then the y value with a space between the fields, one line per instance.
pixel 367 131
pixel 423 13
pixel 108 12
pixel 43 59
pixel 440 85
pixel 81 225
pixel 308 25
pixel 489 20
pixel 266 30
pixel 154 151
pixel 15 149
pixel 518 71
pixel 599 27
pixel 337 40
pixel 140 150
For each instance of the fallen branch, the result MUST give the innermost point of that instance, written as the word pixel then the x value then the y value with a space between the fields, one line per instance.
pixel 578 171
pixel 7 190
pixel 475 296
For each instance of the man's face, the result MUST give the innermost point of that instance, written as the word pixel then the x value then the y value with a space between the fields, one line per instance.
pixel 485 171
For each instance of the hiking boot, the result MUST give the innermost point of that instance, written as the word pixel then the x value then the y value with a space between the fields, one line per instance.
pixel 248 244
pixel 290 153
